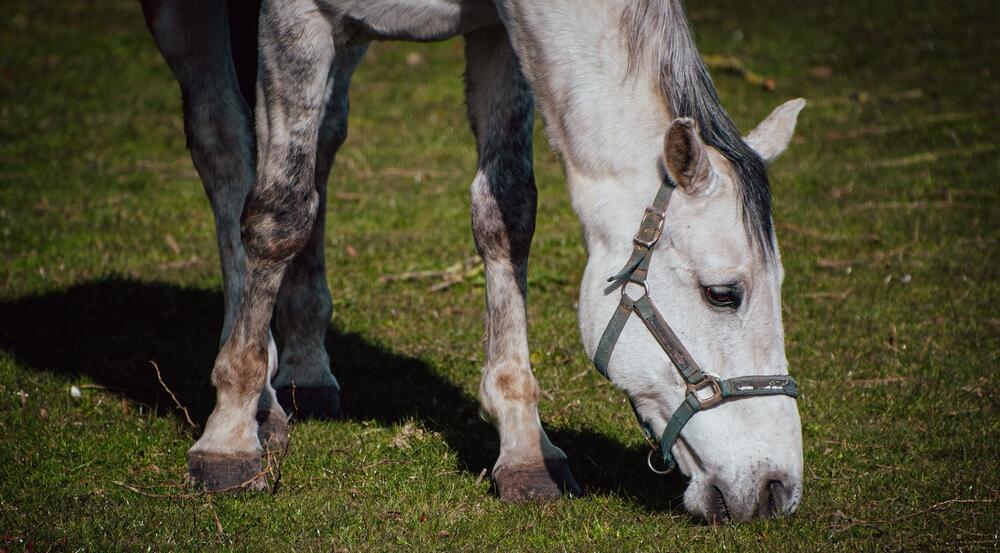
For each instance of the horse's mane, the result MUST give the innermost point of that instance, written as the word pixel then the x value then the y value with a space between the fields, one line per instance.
pixel 657 32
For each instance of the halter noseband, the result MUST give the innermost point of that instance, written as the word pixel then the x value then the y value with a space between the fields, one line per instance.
pixel 704 391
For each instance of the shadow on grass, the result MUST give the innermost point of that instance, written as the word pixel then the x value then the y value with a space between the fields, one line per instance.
pixel 110 330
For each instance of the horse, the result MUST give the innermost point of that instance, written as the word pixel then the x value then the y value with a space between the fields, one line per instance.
pixel 634 117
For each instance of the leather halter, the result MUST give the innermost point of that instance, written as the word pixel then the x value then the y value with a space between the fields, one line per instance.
pixel 704 390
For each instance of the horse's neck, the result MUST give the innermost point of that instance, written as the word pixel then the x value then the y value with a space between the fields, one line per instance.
pixel 606 126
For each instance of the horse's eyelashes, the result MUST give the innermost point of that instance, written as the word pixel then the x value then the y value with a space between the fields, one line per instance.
pixel 723 295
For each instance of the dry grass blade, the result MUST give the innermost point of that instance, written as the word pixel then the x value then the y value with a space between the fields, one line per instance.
pixel 218 523
pixel 865 382
pixel 187 415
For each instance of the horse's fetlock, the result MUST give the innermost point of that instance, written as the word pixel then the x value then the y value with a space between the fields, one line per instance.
pixel 241 371
pixel 517 386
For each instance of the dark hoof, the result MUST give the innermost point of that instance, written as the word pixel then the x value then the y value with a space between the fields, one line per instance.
pixel 272 431
pixel 321 402
pixel 216 472
pixel 541 482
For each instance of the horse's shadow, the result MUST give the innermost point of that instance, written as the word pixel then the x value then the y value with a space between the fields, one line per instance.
pixel 110 330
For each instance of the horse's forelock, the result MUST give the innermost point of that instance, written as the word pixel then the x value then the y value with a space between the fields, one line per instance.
pixel 657 32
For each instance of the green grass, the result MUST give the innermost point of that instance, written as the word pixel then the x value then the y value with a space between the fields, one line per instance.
pixel 886 208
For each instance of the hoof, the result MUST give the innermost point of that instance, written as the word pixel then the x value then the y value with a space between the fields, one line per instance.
pixel 216 472
pixel 322 402
pixel 272 431
pixel 541 482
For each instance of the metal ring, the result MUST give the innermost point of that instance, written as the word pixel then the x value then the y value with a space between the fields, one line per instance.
pixel 645 289
pixel 649 461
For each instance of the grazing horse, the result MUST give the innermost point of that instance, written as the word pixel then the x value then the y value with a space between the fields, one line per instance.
pixel 631 111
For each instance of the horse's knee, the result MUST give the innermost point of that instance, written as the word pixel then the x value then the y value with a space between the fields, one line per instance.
pixel 503 217
pixel 280 210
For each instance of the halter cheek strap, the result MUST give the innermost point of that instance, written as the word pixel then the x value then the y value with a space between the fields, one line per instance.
pixel 704 391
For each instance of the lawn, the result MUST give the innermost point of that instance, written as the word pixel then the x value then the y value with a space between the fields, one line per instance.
pixel 886 207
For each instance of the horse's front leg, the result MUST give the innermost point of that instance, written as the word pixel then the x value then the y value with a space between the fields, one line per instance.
pixel 503 221
pixel 194 39
pixel 296 52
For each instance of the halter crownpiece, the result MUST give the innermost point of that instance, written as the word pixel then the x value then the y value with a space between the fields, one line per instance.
pixel 704 390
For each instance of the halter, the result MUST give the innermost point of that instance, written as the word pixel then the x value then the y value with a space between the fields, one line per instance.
pixel 704 390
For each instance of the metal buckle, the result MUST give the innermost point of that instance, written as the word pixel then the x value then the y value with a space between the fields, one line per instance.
pixel 660 218
pixel 645 290
pixel 712 382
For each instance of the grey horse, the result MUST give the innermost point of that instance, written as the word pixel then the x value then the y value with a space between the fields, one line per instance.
pixel 628 106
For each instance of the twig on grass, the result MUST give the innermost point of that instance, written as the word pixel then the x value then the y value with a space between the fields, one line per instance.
pixel 187 415
pixel 806 231
pixel 834 263
pixel 854 523
pixel 348 196
pixel 412 275
pixel 274 466
pixel 734 66
pixel 937 506
pixel 449 276
pixel 862 97
pixel 930 157
pixel 888 129
pixel 841 295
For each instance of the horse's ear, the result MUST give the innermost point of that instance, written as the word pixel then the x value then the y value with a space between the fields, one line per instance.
pixel 685 157
pixel 772 136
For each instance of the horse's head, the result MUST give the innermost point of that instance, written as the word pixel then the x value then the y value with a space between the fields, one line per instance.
pixel 719 289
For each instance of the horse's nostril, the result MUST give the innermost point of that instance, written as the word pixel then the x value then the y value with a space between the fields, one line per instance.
pixel 773 497
pixel 718 511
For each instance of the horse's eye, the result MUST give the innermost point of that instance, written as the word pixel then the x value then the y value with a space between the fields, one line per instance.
pixel 723 296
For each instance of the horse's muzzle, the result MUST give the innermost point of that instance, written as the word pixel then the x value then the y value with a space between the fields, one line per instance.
pixel 717 501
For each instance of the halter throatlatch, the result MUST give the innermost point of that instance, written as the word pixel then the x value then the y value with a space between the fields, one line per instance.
pixel 704 390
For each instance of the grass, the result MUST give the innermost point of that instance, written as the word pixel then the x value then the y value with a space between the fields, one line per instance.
pixel 886 209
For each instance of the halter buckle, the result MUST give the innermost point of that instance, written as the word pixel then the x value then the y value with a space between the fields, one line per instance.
pixel 645 289
pixel 659 217
pixel 711 382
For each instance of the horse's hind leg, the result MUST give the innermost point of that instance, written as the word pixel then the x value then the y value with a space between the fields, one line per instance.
pixel 305 385
pixel 296 53
pixel 503 221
